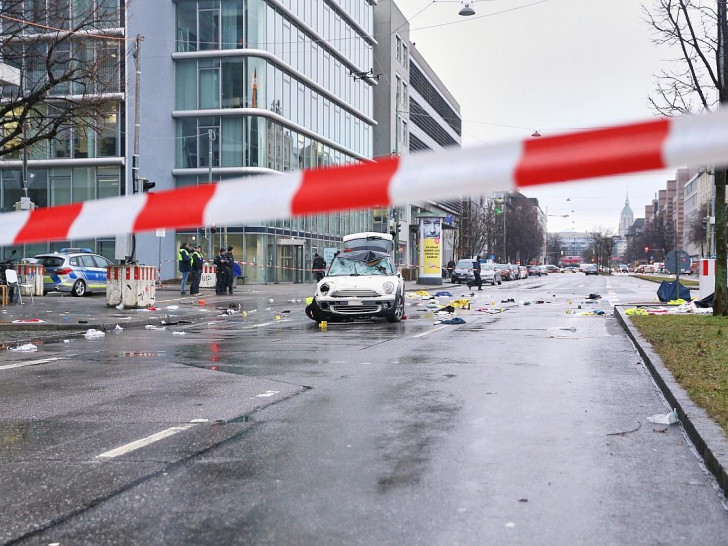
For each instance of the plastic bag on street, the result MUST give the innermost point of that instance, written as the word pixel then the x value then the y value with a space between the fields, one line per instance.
pixel 93 333
pixel 27 348
pixel 667 419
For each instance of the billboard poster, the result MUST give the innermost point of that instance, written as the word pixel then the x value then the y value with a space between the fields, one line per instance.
pixel 431 249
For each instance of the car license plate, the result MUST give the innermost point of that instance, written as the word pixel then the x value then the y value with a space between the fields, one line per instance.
pixel 354 302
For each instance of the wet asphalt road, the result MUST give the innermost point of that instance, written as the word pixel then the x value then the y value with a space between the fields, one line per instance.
pixel 257 430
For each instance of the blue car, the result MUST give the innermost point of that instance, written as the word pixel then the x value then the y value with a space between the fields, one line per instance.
pixel 74 270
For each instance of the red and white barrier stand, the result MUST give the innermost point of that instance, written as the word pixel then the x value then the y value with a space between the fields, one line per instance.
pixel 132 286
pixel 209 276
pixel 706 280
pixel 31 279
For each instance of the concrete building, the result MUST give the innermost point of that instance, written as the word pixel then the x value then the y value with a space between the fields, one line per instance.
pixel 414 112
pixel 626 218
pixel 575 247
pixel 229 89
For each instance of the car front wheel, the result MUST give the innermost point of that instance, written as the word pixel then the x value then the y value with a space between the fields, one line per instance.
pixel 79 289
pixel 398 312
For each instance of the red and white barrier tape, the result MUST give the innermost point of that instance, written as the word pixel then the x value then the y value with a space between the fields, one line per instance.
pixel 690 140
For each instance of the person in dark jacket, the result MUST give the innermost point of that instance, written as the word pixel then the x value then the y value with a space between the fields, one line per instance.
pixel 450 268
pixel 476 273
pixel 221 269
pixel 318 267
pixel 185 264
pixel 196 274
pixel 231 270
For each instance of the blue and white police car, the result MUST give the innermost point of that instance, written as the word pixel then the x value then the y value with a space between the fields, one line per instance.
pixel 74 270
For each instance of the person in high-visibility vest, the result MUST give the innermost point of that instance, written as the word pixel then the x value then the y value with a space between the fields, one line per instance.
pixel 197 261
pixel 185 264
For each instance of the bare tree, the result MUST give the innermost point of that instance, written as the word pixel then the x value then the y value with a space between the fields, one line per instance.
pixel 526 236
pixel 474 229
pixel 554 247
pixel 69 56
pixel 698 29
pixel 602 247
pixel 696 230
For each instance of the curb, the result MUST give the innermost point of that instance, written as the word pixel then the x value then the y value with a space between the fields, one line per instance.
pixel 707 437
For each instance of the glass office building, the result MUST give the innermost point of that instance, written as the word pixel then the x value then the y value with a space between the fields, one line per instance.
pixel 229 89
pixel 269 87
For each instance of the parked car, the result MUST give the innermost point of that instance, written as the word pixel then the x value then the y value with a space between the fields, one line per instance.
pixel 522 272
pixel 534 270
pixel 463 272
pixel 515 272
pixel 74 270
pixel 489 273
pixel 505 271
pixel 544 270
pixel 591 270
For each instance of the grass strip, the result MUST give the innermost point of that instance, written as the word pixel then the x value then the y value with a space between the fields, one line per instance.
pixel 695 349
pixel 660 278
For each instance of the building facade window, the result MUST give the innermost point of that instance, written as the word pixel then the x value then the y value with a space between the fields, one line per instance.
pixel 398 48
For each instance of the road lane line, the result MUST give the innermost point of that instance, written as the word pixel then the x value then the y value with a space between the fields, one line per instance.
pixel 430 331
pixel 144 442
pixel 32 362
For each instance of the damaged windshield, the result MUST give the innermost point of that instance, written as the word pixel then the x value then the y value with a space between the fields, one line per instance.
pixel 358 264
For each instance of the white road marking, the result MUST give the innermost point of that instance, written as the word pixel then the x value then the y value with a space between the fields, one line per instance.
pixel 144 442
pixel 32 362
pixel 262 324
pixel 430 331
pixel 266 394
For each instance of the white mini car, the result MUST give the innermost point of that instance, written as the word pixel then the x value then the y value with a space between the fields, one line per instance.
pixel 359 284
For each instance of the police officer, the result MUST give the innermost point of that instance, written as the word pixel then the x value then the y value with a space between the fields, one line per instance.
pixel 231 270
pixel 185 264
pixel 318 267
pixel 196 275
pixel 221 269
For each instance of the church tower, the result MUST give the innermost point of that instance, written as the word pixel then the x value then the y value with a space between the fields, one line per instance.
pixel 626 218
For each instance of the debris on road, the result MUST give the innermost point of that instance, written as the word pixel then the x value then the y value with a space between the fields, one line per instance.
pixel 623 432
pixel 26 348
pixel 667 419
pixel 454 320
pixel 92 333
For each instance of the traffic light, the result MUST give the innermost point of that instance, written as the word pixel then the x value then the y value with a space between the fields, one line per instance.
pixel 147 184
pixel 498 210
pixel 394 229
pixel 647 249
pixel 704 223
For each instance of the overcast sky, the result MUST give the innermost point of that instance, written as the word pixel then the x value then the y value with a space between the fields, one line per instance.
pixel 552 66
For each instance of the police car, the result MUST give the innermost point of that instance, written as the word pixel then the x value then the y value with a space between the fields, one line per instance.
pixel 74 270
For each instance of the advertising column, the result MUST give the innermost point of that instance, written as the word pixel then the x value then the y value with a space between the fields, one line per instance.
pixel 430 249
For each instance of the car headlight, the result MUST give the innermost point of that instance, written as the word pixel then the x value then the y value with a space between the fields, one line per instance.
pixel 388 287
pixel 324 289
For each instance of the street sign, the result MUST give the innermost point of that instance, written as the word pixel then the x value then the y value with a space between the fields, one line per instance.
pixel 161 232
pixel 677 261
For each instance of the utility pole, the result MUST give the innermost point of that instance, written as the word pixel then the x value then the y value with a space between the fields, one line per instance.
pixel 721 267
pixel 211 136
pixel 395 213
pixel 135 157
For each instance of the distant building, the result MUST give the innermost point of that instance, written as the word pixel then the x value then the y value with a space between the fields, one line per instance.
pixel 575 245
pixel 625 218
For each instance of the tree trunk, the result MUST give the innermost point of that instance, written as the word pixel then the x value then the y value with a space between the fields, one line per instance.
pixel 721 267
